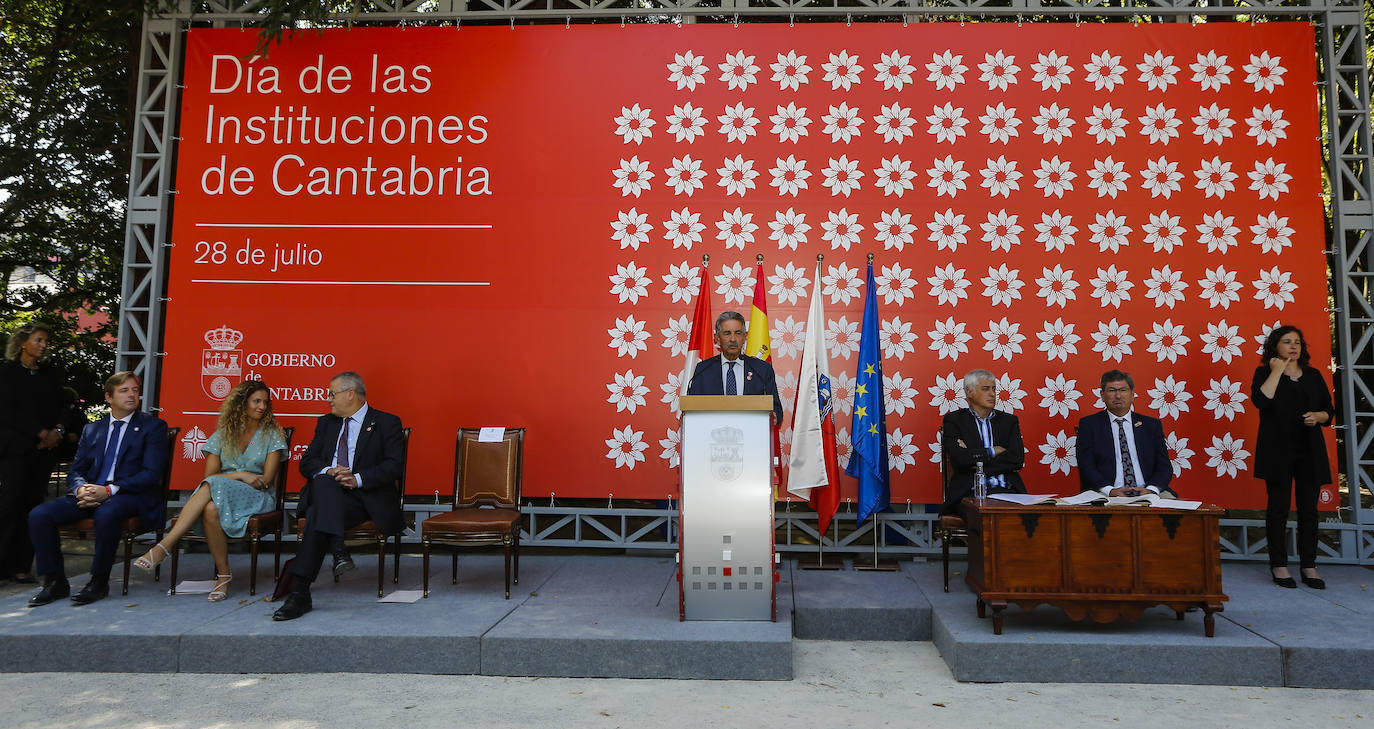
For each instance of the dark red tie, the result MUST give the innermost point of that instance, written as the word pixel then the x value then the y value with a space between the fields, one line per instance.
pixel 341 453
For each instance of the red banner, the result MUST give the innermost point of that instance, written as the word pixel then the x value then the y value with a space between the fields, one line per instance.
pixel 502 226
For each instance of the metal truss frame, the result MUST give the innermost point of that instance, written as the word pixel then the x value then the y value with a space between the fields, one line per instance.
pixel 1347 146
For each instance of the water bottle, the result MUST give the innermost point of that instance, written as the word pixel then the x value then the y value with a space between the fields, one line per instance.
pixel 980 483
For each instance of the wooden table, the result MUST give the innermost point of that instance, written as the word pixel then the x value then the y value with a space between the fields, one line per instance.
pixel 1099 562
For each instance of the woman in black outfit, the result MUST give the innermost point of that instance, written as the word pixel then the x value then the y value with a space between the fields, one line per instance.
pixel 1290 453
pixel 32 411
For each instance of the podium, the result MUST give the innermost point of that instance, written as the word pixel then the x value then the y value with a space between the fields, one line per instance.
pixel 726 556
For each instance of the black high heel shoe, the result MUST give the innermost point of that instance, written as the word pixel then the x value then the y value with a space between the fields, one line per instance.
pixel 1284 581
pixel 1316 583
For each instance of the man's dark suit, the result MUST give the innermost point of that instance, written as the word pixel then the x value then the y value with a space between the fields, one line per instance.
pixel 328 508
pixel 709 379
pixel 138 474
pixel 1097 462
pixel 960 427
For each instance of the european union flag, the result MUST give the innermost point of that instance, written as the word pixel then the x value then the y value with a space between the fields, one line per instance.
pixel 868 462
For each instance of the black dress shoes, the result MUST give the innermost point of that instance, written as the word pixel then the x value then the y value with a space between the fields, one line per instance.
pixel 296 605
pixel 94 590
pixel 1284 581
pixel 54 590
pixel 1316 583
pixel 342 563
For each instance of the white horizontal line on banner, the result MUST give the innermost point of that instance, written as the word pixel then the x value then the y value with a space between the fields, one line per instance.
pixel 462 226
pixel 340 283
pixel 278 415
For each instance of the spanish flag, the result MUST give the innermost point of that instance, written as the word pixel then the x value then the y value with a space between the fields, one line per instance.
pixel 757 345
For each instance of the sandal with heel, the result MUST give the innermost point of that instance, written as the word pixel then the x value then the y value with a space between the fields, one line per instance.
pixel 146 563
pixel 221 590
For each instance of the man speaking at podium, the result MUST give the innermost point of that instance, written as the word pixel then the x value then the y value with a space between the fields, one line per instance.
pixel 732 372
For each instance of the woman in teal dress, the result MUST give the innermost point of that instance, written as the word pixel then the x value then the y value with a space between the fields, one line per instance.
pixel 241 462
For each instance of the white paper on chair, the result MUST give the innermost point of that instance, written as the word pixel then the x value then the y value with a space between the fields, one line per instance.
pixel 491 435
pixel 404 596
pixel 195 587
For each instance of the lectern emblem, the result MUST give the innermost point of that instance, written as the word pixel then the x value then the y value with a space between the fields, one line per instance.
pixel 221 365
pixel 727 453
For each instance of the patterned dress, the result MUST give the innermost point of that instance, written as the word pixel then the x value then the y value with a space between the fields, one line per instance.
pixel 236 500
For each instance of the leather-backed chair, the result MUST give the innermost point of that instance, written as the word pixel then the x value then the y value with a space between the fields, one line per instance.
pixel 259 526
pixel 951 526
pixel 486 500
pixel 133 526
pixel 368 529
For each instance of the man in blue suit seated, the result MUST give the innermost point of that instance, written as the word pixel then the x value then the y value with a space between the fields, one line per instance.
pixel 1120 451
pixel 116 475
pixel 732 372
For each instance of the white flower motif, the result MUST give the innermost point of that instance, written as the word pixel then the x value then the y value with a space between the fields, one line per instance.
pixel 683 228
pixel 1216 178
pixel 947 176
pixel 1104 71
pixel 789 176
pixel 1054 176
pixel 1056 286
pixel 687 71
pixel 842 337
pixel 630 283
pixel 1059 396
pixel 1157 71
pixel 1275 288
pixel 1009 394
pixel 1224 398
pixel 738 122
pixel 894 176
pixel 1272 233
pixel 1111 286
pixel 1052 71
pixel 1222 342
pixel 1264 72
pixel 627 337
pixel 670 390
pixel 626 447
pixel 1179 453
pixel 895 284
pixel 1059 452
pixel 627 392
pixel 1053 124
pixel 1058 341
pixel 1160 124
pixel 999 70
pixel 1113 340
pixel 1163 232
pixel 1269 179
pixel 1267 125
pixel 1169 397
pixel 1106 124
pixel 841 229
pixel 948 393
pixel 1002 286
pixel 1001 230
pixel 630 229
pixel 790 71
pixel 894 71
pixel 676 334
pixel 842 393
pixel 788 336
pixel 789 283
pixel 1213 124
pixel 789 229
pixel 670 447
pixel 947 230
pixel 1055 230
pixel 842 176
pixel 1227 455
pixel 686 123
pixel 1217 232
pixel 736 282
pixel 946 70
pixel 842 123
pixel 898 394
pixel 790 122
pixel 894 123
pixel 1000 177
pixel 736 229
pixel 843 448
pixel 1161 177
pixel 1109 232
pixel 633 176
pixel 1219 287
pixel 894 230
pixel 1165 286
pixel 738 71
pixel 895 338
pixel 1167 341
pixel 1211 71
pixel 841 283
pixel 1108 177
pixel 737 176
pixel 900 450
pixel 948 284
pixel 1003 339
pixel 685 175
pixel 634 124
pixel 947 338
pixel 682 282
pixel 999 123
pixel 842 70
pixel 946 122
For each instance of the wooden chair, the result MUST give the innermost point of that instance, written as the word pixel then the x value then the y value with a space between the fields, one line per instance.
pixel 486 500
pixel 951 526
pixel 259 525
pixel 133 526
pixel 369 530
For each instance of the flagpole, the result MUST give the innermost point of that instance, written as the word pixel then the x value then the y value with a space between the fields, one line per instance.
pixel 820 563
pixel 878 565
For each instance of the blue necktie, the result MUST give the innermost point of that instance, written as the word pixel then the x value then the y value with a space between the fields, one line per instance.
pixel 111 450
pixel 730 388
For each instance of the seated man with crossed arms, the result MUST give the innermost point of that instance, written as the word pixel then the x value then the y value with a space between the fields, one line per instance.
pixel 977 434
pixel 1120 451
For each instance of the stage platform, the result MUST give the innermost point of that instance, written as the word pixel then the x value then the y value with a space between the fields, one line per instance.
pixel 616 616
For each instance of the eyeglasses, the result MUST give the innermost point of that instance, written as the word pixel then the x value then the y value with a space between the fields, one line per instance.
pixel 333 394
pixel 1117 390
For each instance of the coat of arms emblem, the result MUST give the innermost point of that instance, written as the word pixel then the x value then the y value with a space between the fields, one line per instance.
pixel 221 366
pixel 727 453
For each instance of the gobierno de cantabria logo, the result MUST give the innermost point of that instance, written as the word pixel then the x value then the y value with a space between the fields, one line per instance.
pixel 221 366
